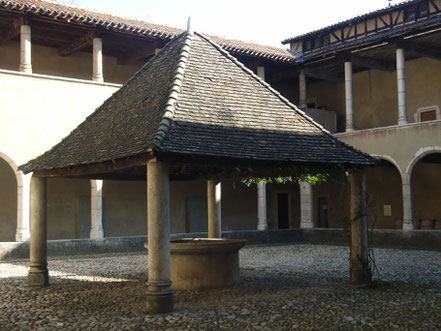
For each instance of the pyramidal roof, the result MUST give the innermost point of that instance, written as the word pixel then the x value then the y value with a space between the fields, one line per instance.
pixel 195 98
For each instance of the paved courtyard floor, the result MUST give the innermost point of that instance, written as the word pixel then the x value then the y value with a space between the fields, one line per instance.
pixel 282 287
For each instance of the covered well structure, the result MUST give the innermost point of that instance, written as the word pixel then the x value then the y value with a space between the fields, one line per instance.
pixel 193 111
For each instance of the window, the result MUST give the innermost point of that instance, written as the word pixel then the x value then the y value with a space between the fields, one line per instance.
pixel 308 45
pixel 425 114
pixel 410 14
pixel 423 10
pixel 317 42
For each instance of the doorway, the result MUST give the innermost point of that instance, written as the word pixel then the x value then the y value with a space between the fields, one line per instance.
pixel 283 210
pixel 322 212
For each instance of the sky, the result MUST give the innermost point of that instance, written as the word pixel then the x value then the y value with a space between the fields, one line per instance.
pixel 264 22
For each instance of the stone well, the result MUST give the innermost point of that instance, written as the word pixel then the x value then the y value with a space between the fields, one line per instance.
pixel 201 263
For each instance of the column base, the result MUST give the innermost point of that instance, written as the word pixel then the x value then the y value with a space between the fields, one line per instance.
pixel 97 234
pixel 408 225
pixel 262 227
pixel 22 234
pixel 27 68
pixel 159 302
pixel 306 225
pixel 360 273
pixel 38 278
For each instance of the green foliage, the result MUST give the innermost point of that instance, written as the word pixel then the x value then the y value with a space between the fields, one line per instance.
pixel 312 179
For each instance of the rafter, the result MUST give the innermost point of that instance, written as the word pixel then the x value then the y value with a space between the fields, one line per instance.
pixel 141 53
pixel 373 63
pixel 14 29
pixel 77 44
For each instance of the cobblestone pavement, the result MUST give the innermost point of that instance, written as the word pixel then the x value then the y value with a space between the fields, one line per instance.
pixel 282 287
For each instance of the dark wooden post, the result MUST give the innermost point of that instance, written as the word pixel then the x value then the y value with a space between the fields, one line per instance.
pixel 359 269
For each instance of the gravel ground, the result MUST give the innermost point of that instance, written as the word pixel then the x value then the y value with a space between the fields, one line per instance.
pixel 282 287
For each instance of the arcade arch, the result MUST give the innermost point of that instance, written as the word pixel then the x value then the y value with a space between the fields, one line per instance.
pixel 385 197
pixel 10 180
pixel 425 180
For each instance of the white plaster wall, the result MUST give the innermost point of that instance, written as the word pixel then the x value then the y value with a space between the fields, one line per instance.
pixel 37 112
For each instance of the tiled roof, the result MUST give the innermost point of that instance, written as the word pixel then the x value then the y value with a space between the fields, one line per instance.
pixel 377 37
pixel 194 98
pixel 374 13
pixel 76 15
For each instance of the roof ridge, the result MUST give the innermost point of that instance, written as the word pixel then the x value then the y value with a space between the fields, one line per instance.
pixel 174 91
pixel 277 94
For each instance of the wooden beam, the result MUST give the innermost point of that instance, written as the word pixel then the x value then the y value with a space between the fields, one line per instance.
pixel 281 76
pixel 321 74
pixel 437 10
pixel 14 29
pixel 77 44
pixel 95 169
pixel 139 54
pixel 431 52
pixel 384 22
pixel 373 63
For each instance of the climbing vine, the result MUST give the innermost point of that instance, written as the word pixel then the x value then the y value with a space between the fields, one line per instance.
pixel 312 179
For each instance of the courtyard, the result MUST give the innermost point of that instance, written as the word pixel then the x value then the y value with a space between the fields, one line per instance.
pixel 282 287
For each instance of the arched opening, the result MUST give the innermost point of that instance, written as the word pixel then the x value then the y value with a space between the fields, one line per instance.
pixel 385 197
pixel 8 201
pixel 426 192
pixel 384 193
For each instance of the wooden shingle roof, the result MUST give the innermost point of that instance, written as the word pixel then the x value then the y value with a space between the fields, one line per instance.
pixel 194 98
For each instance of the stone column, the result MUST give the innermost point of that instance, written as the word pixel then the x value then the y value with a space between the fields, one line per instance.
pixel 401 84
pixel 302 89
pixel 407 203
pixel 360 270
pixel 25 49
pixel 23 200
pixel 262 221
pixel 159 292
pixel 98 60
pixel 214 209
pixel 306 201
pixel 38 274
pixel 349 98
pixel 96 209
